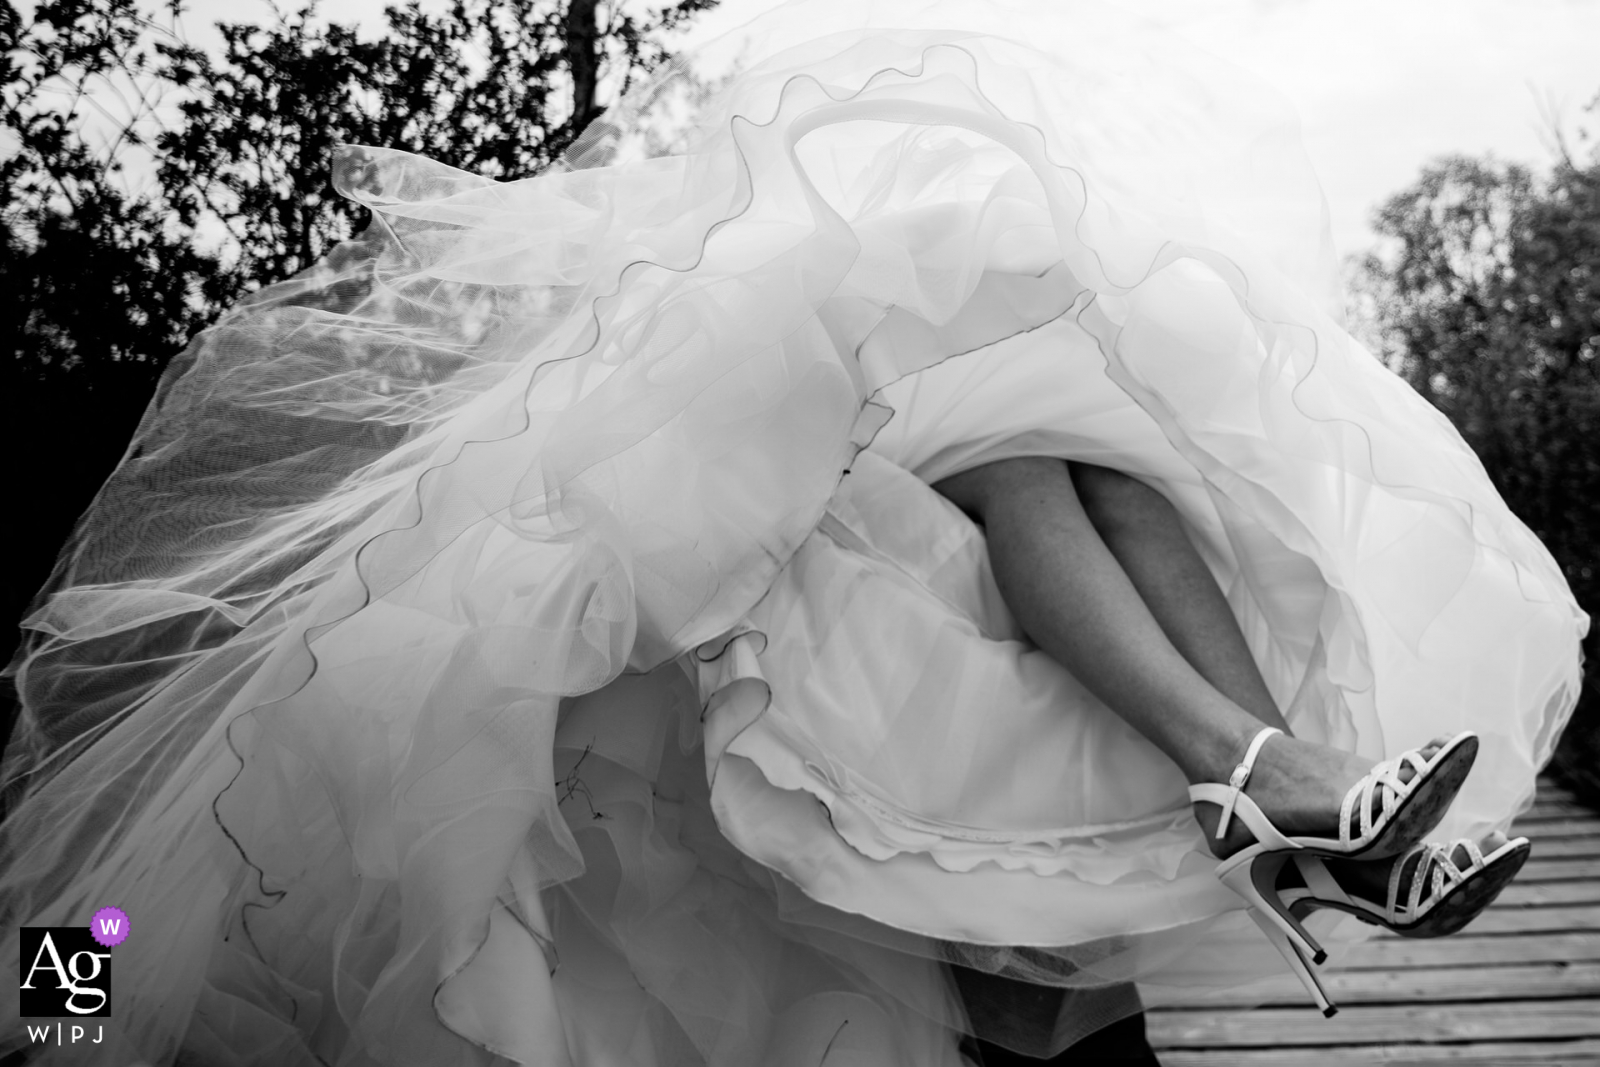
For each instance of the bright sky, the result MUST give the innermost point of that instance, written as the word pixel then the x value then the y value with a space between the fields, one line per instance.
pixel 1382 86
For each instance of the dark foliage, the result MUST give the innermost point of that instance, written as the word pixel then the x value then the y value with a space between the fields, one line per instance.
pixel 147 184
pixel 1490 307
pixel 496 87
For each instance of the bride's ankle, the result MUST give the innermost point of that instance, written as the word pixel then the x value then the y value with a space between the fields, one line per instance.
pixel 1298 785
pixel 1232 762
pixel 1223 753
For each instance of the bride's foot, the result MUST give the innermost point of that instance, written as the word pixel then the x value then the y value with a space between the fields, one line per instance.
pixel 1431 891
pixel 1301 787
pixel 1369 879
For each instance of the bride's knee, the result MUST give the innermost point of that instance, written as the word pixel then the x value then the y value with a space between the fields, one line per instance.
pixel 976 490
pixel 1114 500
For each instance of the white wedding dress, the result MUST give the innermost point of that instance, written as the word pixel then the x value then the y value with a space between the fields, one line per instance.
pixel 528 636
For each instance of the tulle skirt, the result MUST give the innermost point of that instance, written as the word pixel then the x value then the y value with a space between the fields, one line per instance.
pixel 529 635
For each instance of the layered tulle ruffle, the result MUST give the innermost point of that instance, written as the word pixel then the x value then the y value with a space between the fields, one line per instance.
pixel 482 653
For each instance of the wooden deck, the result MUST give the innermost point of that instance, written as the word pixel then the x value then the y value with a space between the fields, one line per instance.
pixel 1521 985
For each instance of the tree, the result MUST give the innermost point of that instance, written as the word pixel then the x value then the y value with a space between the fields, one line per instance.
pixel 497 87
pixel 1489 305
pixel 71 235
pixel 148 184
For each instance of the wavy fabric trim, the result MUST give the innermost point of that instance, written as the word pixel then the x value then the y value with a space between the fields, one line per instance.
pixel 301 697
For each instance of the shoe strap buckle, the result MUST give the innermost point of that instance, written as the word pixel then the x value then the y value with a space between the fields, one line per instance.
pixel 1240 776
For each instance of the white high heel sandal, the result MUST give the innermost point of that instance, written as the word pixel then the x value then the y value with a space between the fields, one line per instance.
pixel 1409 810
pixel 1438 898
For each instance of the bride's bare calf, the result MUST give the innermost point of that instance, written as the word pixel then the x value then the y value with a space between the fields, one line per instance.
pixel 1098 570
pixel 1076 600
pixel 1145 534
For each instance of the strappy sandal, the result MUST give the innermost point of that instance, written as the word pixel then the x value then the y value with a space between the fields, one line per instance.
pixel 1409 809
pixel 1430 894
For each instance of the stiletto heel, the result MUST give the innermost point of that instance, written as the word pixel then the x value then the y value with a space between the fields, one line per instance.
pixel 1297 963
pixel 1255 879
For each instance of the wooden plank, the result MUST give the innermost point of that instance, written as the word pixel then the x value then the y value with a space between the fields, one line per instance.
pixel 1542 841
pixel 1410 985
pixel 1536 920
pixel 1533 826
pixel 1564 807
pixel 1521 894
pixel 1563 1053
pixel 1370 1024
pixel 1565 847
pixel 1559 869
pixel 1467 950
pixel 1559 826
pixel 1529 823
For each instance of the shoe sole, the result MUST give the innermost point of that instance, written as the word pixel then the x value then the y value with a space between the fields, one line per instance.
pixel 1423 809
pixel 1468 900
pixel 1459 906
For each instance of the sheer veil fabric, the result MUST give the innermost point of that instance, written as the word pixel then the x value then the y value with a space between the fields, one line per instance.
pixel 528 635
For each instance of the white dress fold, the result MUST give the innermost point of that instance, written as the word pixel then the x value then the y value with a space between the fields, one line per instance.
pixel 529 636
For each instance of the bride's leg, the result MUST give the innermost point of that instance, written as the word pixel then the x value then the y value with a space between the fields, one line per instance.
pixel 1078 603
pixel 1142 530
pixel 1145 535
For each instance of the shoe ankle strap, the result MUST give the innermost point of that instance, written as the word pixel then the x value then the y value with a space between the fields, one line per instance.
pixel 1240 776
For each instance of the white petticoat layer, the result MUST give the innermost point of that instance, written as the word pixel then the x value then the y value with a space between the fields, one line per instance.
pixel 483 655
